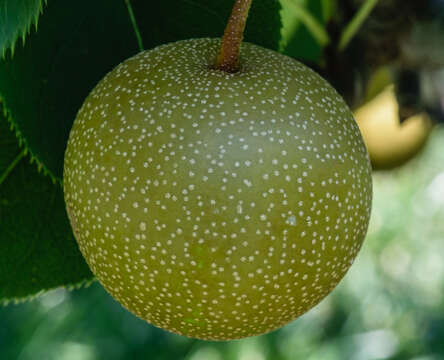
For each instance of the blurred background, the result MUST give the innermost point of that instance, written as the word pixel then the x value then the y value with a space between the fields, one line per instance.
pixel 389 306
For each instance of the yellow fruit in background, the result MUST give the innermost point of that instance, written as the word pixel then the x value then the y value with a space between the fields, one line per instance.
pixel 389 142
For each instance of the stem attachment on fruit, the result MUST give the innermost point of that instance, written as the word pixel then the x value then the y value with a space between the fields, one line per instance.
pixel 228 59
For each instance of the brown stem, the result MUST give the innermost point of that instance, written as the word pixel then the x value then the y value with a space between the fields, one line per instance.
pixel 228 59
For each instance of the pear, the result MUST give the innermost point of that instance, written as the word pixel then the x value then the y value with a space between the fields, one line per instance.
pixel 211 204
pixel 391 143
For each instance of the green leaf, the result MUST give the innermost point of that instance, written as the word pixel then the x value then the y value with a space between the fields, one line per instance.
pixel 36 242
pixel 46 81
pixel 329 9
pixel 78 42
pixel 16 19
pixel 297 41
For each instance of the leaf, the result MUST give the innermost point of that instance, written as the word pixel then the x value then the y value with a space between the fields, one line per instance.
pixel 329 9
pixel 78 42
pixel 46 81
pixel 16 19
pixel 297 41
pixel 36 242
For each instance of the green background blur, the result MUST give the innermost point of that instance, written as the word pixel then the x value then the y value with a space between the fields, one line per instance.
pixel 389 306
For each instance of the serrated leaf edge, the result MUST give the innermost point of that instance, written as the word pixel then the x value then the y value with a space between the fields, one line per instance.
pixel 40 166
pixel 26 31
pixel 85 283
pixel 22 142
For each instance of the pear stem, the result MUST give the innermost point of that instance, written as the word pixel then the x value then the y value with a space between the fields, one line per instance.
pixel 228 59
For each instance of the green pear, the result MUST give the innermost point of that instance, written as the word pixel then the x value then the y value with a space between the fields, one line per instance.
pixel 217 205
